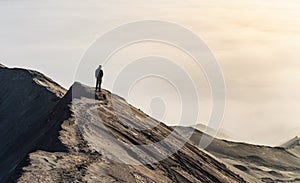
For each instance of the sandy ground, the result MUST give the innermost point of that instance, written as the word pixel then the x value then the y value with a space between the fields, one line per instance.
pixel 91 159
pixel 268 164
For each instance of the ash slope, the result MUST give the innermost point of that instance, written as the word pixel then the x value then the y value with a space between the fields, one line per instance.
pixel 26 99
pixel 82 163
pixel 268 164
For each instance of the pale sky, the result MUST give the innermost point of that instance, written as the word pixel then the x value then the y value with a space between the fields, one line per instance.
pixel 256 43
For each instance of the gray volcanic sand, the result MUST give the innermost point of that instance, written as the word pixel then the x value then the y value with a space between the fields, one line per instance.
pixel 84 162
pixel 268 164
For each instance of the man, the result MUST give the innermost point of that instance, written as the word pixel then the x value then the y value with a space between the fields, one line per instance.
pixel 99 75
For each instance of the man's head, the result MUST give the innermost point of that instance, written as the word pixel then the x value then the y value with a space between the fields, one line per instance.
pixel 100 66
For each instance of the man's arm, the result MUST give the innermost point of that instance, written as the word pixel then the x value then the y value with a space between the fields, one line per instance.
pixel 96 73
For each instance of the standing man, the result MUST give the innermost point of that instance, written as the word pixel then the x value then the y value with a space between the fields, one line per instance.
pixel 99 75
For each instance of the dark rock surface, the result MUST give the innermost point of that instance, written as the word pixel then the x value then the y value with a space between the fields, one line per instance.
pixel 26 99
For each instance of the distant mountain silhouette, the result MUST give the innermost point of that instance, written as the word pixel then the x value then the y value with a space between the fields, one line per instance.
pixel 291 143
pixel 221 133
pixel 293 146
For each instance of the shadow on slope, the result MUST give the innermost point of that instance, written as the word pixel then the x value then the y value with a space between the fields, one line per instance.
pixel 25 104
pixel 92 157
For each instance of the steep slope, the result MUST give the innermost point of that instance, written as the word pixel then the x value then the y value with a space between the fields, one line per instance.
pixel 92 157
pixel 25 103
pixel 268 164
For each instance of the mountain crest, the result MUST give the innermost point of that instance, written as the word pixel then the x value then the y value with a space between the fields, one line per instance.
pixel 84 137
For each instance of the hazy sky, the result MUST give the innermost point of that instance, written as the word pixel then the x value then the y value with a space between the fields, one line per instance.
pixel 255 41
